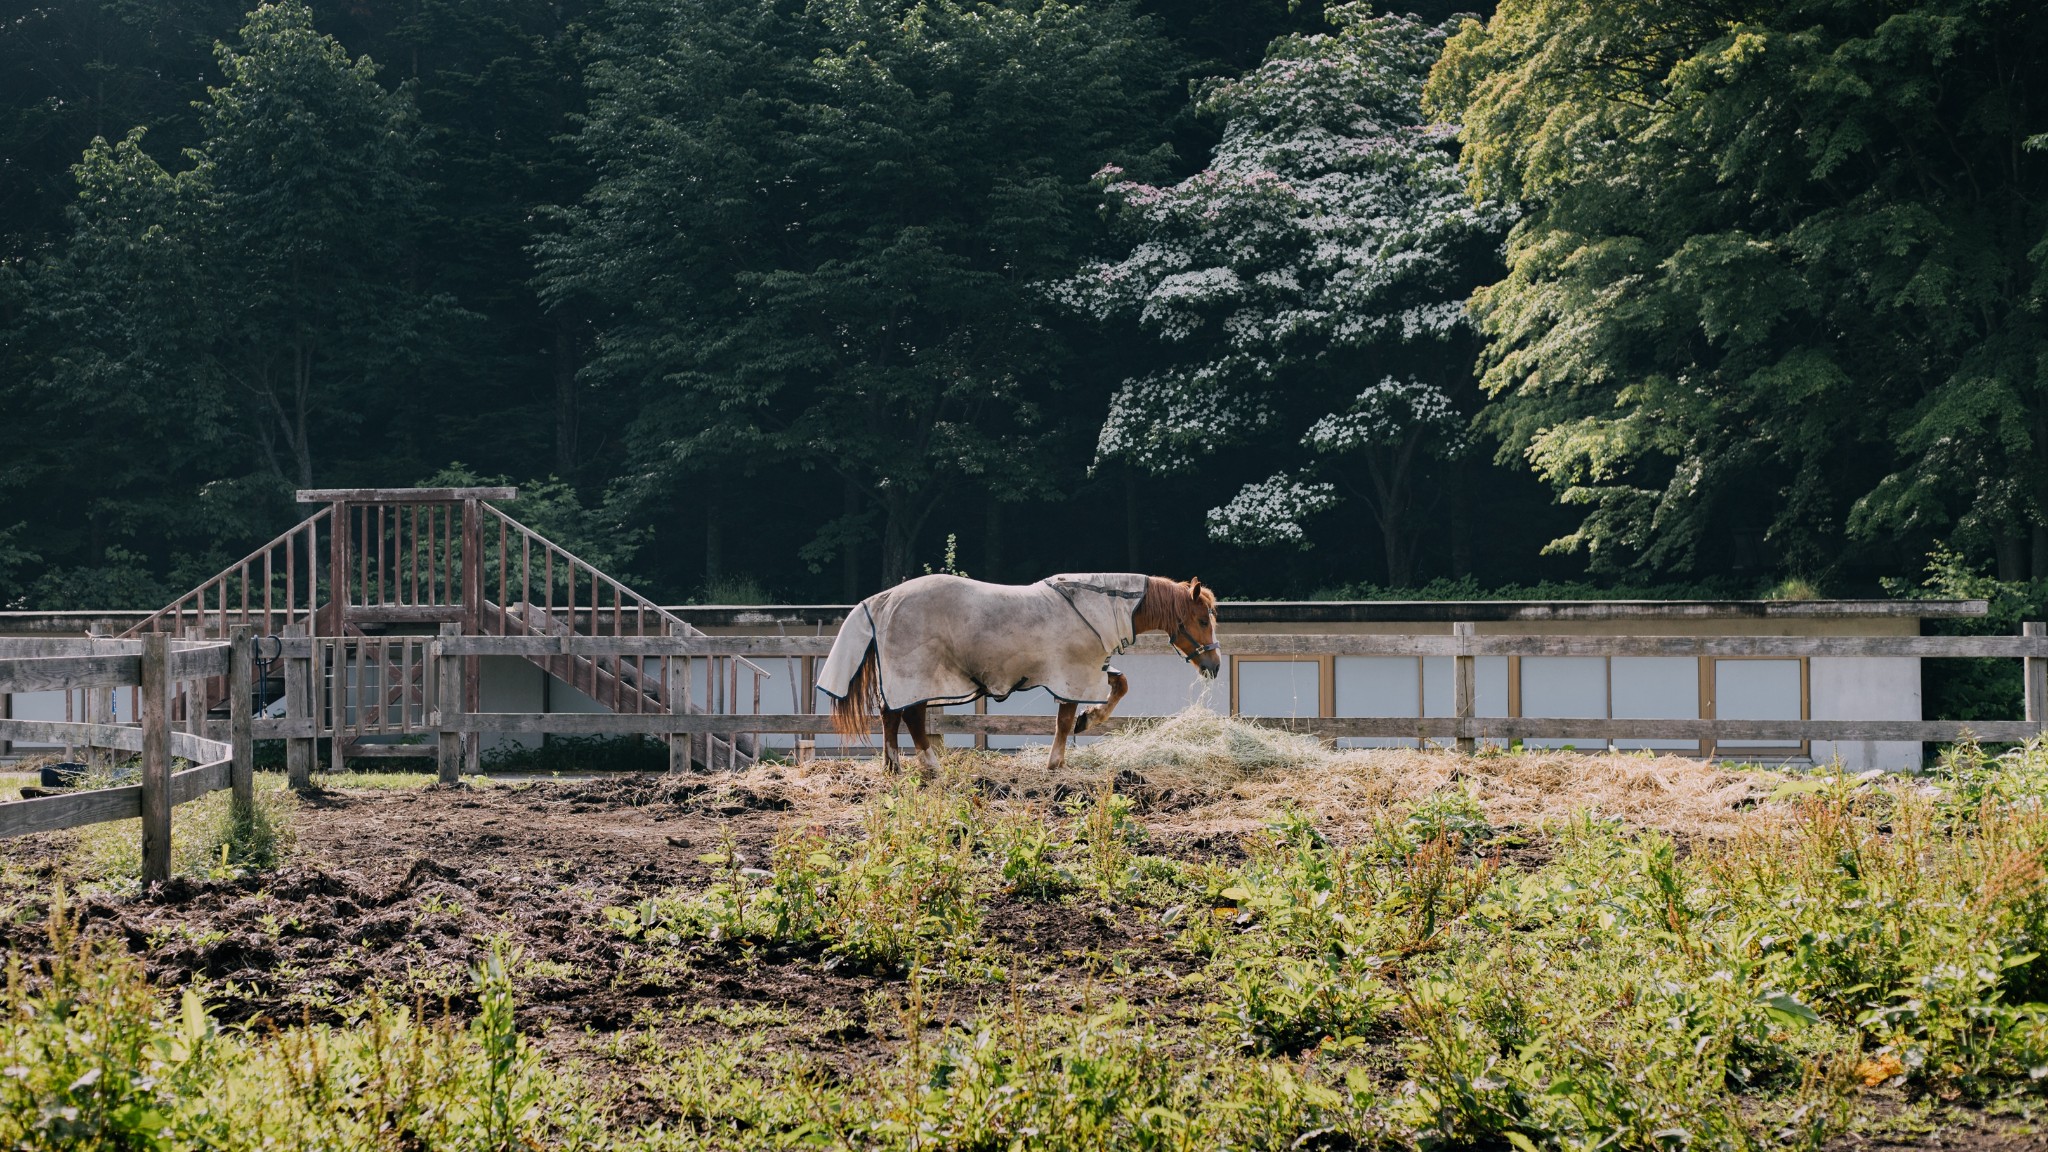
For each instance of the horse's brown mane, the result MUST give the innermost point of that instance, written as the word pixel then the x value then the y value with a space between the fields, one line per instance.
pixel 1166 602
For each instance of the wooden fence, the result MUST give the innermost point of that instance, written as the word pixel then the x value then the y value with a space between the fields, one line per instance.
pixel 1464 645
pixel 431 706
pixel 159 668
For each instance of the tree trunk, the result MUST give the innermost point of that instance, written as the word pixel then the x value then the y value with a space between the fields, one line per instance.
pixel 1133 524
pixel 898 546
pixel 2010 551
pixel 850 551
pixel 565 398
pixel 1461 520
pixel 302 403
pixel 1391 473
pixel 1400 563
pixel 992 542
pixel 714 546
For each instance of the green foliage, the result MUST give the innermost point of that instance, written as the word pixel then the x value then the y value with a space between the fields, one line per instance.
pixel 899 894
pixel 1781 271
pixel 95 1059
pixel 850 284
pixel 1307 288
pixel 1028 852
pixel 1973 689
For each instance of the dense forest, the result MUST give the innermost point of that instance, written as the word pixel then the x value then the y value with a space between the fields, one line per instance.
pixel 795 298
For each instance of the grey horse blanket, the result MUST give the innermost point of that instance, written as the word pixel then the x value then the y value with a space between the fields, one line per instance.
pixel 947 640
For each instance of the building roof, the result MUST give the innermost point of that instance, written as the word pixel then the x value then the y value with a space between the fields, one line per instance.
pixel 1426 611
pixel 79 622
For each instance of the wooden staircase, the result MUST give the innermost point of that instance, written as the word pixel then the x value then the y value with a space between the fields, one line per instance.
pixel 373 574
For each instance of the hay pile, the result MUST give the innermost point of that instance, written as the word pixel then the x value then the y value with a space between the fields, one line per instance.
pixel 1198 773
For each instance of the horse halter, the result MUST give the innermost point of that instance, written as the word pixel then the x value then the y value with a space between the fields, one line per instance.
pixel 1180 631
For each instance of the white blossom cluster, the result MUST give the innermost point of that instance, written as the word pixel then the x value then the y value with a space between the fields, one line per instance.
pixel 1332 217
pixel 1270 512
pixel 1388 413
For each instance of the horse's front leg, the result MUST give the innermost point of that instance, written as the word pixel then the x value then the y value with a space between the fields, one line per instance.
pixel 1063 729
pixel 892 722
pixel 927 759
pixel 1093 717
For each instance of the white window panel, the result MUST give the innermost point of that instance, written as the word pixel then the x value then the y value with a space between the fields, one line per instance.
pixel 1440 686
pixel 1036 702
pixel 1377 686
pixel 1565 688
pixel 1656 688
pixel 1164 685
pixel 49 707
pixel 1756 690
pixel 1279 688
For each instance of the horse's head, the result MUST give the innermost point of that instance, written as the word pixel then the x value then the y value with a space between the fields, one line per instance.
pixel 1191 628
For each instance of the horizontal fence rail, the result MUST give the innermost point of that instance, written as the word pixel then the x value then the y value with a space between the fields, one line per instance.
pixel 159 668
pixel 1284 644
pixel 1464 644
pixel 188 661
pixel 1429 727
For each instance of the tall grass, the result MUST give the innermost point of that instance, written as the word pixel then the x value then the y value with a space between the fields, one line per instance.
pixel 91 1056
pixel 1407 987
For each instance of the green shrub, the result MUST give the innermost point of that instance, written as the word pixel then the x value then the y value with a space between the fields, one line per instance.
pixel 901 889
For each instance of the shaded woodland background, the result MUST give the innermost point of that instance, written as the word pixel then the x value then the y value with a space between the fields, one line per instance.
pixel 480 282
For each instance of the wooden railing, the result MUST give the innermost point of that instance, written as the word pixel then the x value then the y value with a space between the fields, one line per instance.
pixel 1464 645
pixel 156 666
pixel 390 559
pixel 277 585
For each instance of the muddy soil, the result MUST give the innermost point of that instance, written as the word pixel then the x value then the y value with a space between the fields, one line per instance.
pixel 398 893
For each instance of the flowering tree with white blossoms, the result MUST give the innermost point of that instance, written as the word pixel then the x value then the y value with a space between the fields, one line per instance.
pixel 1308 288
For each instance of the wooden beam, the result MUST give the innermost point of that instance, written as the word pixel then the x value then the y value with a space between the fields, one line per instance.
pixel 1435 727
pixel 297 723
pixel 55 813
pixel 448 709
pixel 1310 644
pixel 156 759
pixel 125 737
pixel 198 661
pixel 403 495
pixel 193 783
pixel 57 673
pixel 1465 679
pixel 393 751
pixel 404 613
pixel 2034 676
pixel 241 709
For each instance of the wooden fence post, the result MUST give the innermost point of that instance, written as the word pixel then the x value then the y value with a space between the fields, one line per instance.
pixel 472 623
pixel 98 701
pixel 450 708
pixel 672 699
pixel 156 758
pixel 298 709
pixel 241 686
pixel 1465 692
pixel 2036 677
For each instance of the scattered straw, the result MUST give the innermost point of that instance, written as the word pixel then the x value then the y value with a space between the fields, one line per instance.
pixel 1197 773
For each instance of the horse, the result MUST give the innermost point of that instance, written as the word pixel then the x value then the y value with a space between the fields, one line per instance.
pixel 944 639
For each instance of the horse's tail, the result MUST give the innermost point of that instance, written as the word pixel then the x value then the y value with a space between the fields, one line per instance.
pixel 853 715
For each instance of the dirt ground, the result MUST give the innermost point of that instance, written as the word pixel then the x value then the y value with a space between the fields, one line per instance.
pixel 398 892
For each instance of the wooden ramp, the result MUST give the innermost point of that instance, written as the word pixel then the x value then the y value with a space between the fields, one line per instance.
pixel 375 573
